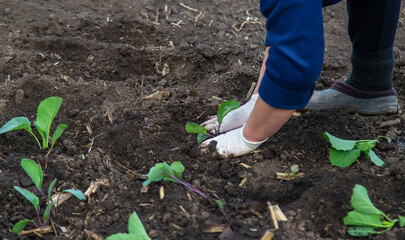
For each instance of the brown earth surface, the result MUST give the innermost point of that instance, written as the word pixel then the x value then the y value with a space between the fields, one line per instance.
pixel 105 57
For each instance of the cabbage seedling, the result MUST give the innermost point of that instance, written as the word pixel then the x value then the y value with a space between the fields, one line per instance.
pixel 136 230
pixel 202 133
pixel 35 173
pixel 46 113
pixel 366 218
pixel 162 171
pixel 344 153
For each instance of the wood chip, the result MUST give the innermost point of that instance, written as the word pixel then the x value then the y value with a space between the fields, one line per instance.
pixel 161 192
pixel 93 235
pixel 159 95
pixel 210 227
pixel 276 214
pixel 245 165
pixel 296 114
pixel 243 182
pixel 390 123
pixel 37 231
pixel 252 88
pixel 267 235
pixel 287 176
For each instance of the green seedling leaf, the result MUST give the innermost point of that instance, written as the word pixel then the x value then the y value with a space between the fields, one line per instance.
pixel 46 113
pixel 16 123
pixel 343 158
pixel 361 231
pixel 136 228
pixel 221 203
pixel 29 196
pixel 75 192
pixel 33 171
pixel 50 188
pixel 122 236
pixel 355 218
pixel 374 158
pixel 201 137
pixel 401 221
pixel 365 146
pixel 361 201
pixel 225 108
pixel 294 169
pixel 47 211
pixel 178 169
pixel 19 227
pixel 339 144
pixel 156 173
pixel 58 132
pixel 195 128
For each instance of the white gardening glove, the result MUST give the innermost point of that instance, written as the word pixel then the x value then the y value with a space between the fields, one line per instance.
pixel 234 119
pixel 231 144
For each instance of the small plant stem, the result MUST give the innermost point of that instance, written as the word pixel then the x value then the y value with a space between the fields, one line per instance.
pixel 39 218
pixel 36 139
pixel 43 194
pixel 189 186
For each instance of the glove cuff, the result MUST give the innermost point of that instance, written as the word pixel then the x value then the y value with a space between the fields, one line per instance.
pixel 249 144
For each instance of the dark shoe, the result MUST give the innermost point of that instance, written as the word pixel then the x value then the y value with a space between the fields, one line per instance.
pixel 346 97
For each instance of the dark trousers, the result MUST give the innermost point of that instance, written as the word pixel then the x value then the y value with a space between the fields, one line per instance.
pixel 372 27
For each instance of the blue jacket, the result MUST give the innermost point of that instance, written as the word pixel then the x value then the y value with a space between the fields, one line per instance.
pixel 295 36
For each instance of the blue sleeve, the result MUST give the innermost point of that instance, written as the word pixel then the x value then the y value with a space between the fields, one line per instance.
pixel 295 36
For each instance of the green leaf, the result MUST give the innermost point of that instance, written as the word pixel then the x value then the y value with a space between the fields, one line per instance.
pixel 360 219
pixel 50 188
pixel 365 146
pixel 339 144
pixel 201 137
pixel 225 108
pixel 361 231
pixel 33 171
pixel 195 128
pixel 374 158
pixel 122 236
pixel 29 196
pixel 156 174
pixel 221 203
pixel 18 227
pixel 16 123
pixel 401 221
pixel 46 113
pixel 58 132
pixel 343 158
pixel 295 169
pixel 361 201
pixel 47 211
pixel 75 192
pixel 136 227
pixel 178 169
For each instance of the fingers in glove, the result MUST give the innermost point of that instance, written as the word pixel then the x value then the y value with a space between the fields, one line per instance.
pixel 211 123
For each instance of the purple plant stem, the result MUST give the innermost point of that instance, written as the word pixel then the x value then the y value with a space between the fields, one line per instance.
pixel 39 218
pixel 189 186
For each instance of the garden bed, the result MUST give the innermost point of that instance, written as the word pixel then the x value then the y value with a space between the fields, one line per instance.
pixel 105 59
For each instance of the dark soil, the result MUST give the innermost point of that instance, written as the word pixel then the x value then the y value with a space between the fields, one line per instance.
pixel 104 57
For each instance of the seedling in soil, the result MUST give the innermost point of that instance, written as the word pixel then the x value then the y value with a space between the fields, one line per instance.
pixel 136 230
pixel 344 153
pixel 46 112
pixel 36 175
pixel 173 173
pixel 366 218
pixel 202 133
